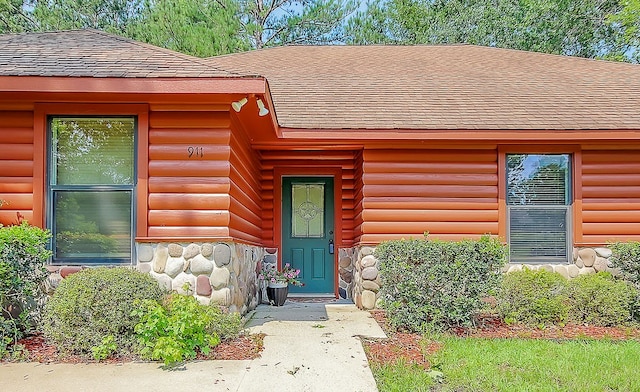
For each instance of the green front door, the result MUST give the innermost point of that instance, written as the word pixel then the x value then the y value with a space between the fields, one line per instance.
pixel 307 232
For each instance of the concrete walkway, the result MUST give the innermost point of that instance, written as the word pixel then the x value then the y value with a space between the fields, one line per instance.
pixel 308 347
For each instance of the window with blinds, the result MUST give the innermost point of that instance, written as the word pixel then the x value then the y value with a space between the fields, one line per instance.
pixel 91 184
pixel 538 206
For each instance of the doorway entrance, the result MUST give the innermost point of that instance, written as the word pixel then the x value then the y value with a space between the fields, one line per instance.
pixel 308 232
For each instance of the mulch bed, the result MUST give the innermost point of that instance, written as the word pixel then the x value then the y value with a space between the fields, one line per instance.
pixel 411 348
pixel 243 347
pixel 400 346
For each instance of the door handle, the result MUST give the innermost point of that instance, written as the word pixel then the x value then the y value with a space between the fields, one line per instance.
pixel 331 246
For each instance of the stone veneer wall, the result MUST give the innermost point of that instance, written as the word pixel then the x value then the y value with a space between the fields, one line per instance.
pixel 269 261
pixel 585 261
pixel 360 281
pixel 224 273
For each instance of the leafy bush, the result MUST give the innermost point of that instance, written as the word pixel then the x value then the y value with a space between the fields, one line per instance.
pixel 93 304
pixel 180 327
pixel 533 297
pixel 431 284
pixel 599 299
pixel 626 256
pixel 23 255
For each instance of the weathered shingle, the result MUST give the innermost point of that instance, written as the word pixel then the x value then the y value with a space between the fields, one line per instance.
pixel 93 53
pixel 442 87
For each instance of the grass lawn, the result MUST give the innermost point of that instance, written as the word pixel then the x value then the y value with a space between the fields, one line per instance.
pixel 476 364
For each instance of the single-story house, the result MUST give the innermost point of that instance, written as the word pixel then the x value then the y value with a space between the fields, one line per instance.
pixel 197 170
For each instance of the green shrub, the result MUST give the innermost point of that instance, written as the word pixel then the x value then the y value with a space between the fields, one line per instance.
pixel 533 297
pixel 93 304
pixel 626 256
pixel 180 327
pixel 599 299
pixel 23 255
pixel 431 284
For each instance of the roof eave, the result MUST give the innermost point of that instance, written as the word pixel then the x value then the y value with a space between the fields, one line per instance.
pixel 500 135
pixel 177 85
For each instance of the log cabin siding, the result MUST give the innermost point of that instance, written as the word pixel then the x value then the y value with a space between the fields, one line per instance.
pixel 245 221
pixel 310 160
pixel 610 195
pixel 357 198
pixel 451 194
pixel 188 188
pixel 16 165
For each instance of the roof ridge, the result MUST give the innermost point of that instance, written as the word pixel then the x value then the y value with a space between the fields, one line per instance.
pixel 174 53
pixel 427 45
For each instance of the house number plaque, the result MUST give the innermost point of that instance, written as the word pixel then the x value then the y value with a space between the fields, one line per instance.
pixel 195 152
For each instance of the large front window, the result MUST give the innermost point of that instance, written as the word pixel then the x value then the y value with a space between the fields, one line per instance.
pixel 538 205
pixel 91 184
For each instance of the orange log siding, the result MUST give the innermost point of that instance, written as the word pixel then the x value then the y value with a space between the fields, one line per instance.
pixel 451 194
pixel 245 194
pixel 357 198
pixel 16 165
pixel 344 161
pixel 610 196
pixel 189 174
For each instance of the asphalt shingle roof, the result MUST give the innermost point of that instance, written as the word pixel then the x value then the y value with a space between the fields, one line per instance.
pixel 442 87
pixel 93 53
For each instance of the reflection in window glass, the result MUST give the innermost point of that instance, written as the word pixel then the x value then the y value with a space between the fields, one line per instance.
pixel 538 200
pixel 307 219
pixel 91 184
pixel 537 179
pixel 93 224
pixel 92 150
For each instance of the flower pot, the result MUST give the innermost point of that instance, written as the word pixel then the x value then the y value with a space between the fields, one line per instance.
pixel 277 293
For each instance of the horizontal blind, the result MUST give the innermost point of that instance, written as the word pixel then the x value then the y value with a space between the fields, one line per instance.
pixel 96 151
pixel 538 234
pixel 537 179
pixel 538 202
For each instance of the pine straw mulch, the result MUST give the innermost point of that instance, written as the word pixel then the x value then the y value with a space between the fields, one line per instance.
pixel 412 348
pixel 244 347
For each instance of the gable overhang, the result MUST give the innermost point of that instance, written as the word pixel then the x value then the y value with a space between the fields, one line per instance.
pixel 359 136
pixel 55 84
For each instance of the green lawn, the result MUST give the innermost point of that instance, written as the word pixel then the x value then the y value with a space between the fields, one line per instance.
pixel 473 364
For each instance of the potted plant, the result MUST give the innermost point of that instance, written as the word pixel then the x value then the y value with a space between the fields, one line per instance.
pixel 278 282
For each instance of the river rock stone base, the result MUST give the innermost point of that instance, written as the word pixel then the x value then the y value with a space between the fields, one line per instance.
pixel 269 261
pixel 585 261
pixel 359 279
pixel 224 273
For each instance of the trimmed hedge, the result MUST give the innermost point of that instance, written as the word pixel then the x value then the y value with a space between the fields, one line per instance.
pixel 433 284
pixel 533 297
pixel 540 298
pixel 90 306
pixel 626 256
pixel 599 299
